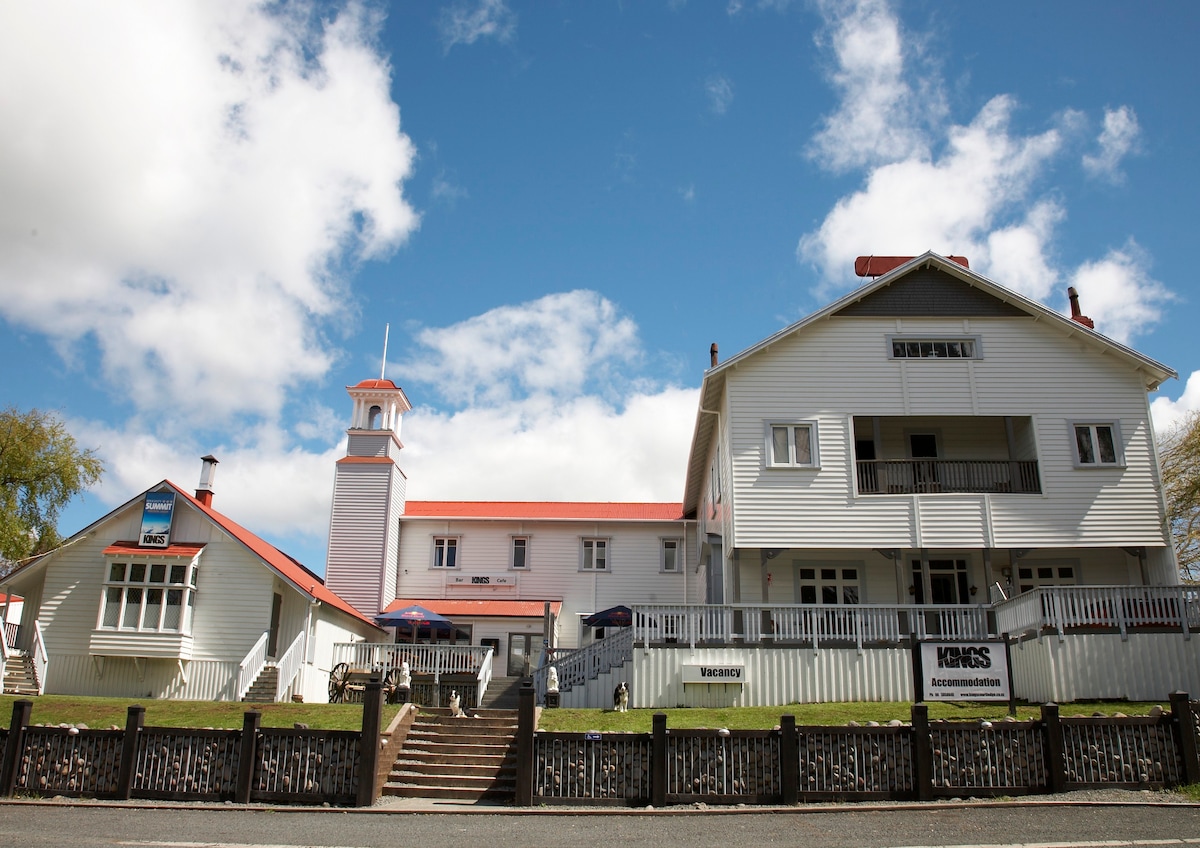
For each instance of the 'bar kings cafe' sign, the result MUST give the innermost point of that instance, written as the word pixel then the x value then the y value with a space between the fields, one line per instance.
pixel 157 512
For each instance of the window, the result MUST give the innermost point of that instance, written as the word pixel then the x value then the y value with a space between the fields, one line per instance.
pixel 445 552
pixel 791 445
pixel 934 348
pixel 1097 444
pixel 149 597
pixel 669 561
pixel 828 586
pixel 520 552
pixel 595 555
pixel 1044 574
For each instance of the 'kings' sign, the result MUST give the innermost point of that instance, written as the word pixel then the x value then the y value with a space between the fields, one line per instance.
pixel 156 520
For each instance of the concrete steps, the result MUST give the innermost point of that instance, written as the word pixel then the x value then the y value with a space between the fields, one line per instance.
pixel 19 676
pixel 262 690
pixel 502 694
pixel 459 759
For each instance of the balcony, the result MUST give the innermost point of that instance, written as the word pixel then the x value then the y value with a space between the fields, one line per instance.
pixel 927 476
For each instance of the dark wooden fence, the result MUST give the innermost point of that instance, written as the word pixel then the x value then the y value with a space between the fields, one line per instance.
pixel 920 761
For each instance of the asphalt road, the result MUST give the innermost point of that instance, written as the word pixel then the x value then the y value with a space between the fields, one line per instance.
pixel 1043 824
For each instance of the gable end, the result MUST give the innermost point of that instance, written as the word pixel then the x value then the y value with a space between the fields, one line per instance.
pixel 930 292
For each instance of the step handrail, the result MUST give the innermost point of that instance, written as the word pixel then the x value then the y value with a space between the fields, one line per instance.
pixel 249 667
pixel 41 659
pixel 288 666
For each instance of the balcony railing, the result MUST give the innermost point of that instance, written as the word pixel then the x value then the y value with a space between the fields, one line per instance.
pixel 1072 609
pixel 925 476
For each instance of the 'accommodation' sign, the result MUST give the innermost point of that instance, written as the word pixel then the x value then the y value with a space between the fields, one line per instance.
pixel 714 673
pixel 965 671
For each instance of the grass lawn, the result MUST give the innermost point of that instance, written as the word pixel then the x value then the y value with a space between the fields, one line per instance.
pixel 106 712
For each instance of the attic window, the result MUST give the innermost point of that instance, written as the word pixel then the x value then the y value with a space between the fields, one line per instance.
pixel 934 348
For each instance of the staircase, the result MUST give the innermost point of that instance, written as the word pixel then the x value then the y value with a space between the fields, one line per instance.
pixel 458 759
pixel 262 690
pixel 502 694
pixel 19 677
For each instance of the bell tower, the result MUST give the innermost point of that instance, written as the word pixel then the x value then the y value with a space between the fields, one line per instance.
pixel 368 499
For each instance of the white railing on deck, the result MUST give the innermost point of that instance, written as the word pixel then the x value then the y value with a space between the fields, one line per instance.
pixel 289 665
pixel 484 677
pixel 1063 608
pixel 3 640
pixel 806 624
pixel 576 667
pixel 249 668
pixel 422 659
pixel 41 660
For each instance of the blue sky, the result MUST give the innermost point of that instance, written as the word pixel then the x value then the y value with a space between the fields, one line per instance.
pixel 210 211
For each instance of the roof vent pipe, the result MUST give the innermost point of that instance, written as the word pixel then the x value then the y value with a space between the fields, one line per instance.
pixel 1076 314
pixel 712 354
pixel 204 493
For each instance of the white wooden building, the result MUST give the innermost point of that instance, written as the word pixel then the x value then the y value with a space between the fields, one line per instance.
pixel 200 614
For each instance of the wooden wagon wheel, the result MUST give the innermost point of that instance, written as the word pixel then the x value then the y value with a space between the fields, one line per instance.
pixel 391 682
pixel 338 678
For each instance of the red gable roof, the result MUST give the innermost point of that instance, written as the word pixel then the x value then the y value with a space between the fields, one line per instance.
pixel 465 607
pixel 179 549
pixel 287 567
pixel 545 509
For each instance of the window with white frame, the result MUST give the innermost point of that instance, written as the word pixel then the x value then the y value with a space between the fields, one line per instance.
pixel 828 585
pixel 520 552
pixel 791 445
pixel 445 552
pixel 594 555
pixel 1034 574
pixel 671 551
pixel 934 348
pixel 1097 443
pixel 149 597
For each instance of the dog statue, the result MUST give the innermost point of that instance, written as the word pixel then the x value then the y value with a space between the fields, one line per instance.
pixel 405 675
pixel 621 698
pixel 552 679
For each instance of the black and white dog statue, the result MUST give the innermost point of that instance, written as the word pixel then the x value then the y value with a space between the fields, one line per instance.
pixel 621 698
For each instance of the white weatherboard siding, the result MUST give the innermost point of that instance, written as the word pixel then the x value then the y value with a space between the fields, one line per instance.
pixel 773 676
pixel 1145 667
pixel 358 533
pixel 329 628
pixel 484 548
pixel 837 369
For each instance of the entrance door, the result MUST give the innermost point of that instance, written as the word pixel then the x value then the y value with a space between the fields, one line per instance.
pixel 273 633
pixel 520 653
pixel 947 582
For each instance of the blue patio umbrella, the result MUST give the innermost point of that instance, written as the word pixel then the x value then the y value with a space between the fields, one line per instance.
pixel 619 616
pixel 416 617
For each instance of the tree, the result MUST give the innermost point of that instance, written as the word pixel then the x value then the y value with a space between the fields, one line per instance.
pixel 1179 455
pixel 41 470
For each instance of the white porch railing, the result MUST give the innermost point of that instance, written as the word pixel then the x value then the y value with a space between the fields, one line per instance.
pixel 249 668
pixel 579 666
pixel 288 665
pixel 3 640
pixel 41 659
pixel 806 625
pixel 484 677
pixel 1063 608
pixel 422 659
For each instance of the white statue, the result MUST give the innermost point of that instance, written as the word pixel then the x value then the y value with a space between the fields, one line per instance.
pixel 552 680
pixel 405 675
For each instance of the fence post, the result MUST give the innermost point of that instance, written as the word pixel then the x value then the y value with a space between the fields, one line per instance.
pixel 14 747
pixel 135 718
pixel 368 749
pixel 526 727
pixel 1056 772
pixel 789 767
pixel 247 760
pixel 922 747
pixel 1189 747
pixel 658 761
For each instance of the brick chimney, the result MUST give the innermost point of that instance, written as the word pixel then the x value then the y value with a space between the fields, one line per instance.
pixel 712 355
pixel 1076 314
pixel 204 493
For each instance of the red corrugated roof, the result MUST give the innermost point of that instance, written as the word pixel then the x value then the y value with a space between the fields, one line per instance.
pixel 277 559
pixel 181 549
pixel 466 607
pixel 545 509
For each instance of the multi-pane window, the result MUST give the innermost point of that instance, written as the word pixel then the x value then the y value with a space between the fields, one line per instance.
pixel 595 555
pixel 790 445
pixel 1031 576
pixel 670 555
pixel 445 552
pixel 149 597
pixel 520 552
pixel 1096 444
pixel 828 586
pixel 934 349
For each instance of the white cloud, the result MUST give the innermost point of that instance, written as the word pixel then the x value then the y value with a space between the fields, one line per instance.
pixel 1118 293
pixel 466 23
pixel 1166 413
pixel 719 90
pixel 179 184
pixel 882 114
pixel 1119 138
pixel 559 344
